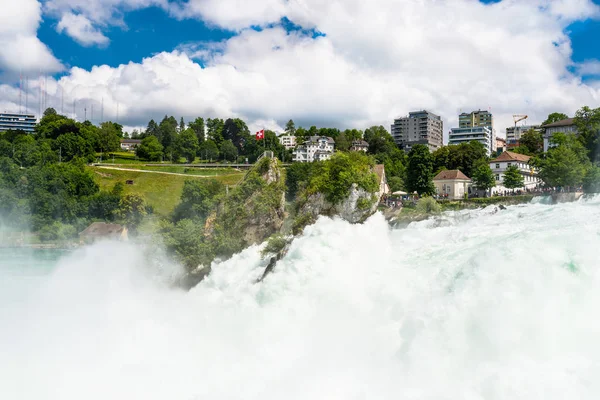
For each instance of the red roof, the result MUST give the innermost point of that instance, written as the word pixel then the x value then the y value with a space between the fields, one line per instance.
pixel 451 174
pixel 510 156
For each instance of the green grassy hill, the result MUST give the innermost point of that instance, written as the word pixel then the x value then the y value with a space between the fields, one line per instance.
pixel 161 191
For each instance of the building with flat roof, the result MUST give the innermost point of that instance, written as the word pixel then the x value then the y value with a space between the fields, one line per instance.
pixel 476 119
pixel 16 121
pixel 566 126
pixel 514 133
pixel 419 127
pixel 482 134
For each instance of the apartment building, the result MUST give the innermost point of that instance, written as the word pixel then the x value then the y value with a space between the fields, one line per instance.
pixel 14 121
pixel 482 134
pixel 316 148
pixel 513 134
pixel 479 118
pixel 419 127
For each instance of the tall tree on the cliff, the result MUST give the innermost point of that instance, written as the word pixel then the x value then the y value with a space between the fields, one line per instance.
pixel 512 178
pixel 533 142
pixel 290 128
pixel 566 164
pixel 198 126
pixel 555 117
pixel 419 172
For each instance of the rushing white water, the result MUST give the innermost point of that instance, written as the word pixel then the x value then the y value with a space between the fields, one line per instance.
pixel 482 305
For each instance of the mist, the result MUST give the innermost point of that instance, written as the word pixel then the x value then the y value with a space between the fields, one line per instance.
pixel 479 304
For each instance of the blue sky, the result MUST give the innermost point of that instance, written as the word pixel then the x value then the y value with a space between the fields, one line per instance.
pixel 352 65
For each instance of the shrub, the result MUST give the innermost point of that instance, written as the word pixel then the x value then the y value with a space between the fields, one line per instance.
pixel 428 205
pixel 275 244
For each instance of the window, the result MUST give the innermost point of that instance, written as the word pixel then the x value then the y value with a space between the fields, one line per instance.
pixel 497 166
pixel 497 177
pixel 509 164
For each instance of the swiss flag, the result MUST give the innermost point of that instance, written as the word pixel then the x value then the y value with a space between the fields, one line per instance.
pixel 260 134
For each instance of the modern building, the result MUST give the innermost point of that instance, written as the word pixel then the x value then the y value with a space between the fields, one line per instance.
pixel 129 144
pixel 452 184
pixel 24 122
pixel 507 159
pixel 359 145
pixel 482 134
pixel 476 119
pixel 288 141
pixel 316 148
pixel 514 133
pixel 419 127
pixel 566 126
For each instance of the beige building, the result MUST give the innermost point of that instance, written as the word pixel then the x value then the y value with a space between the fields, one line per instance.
pixel 452 184
pixel 521 161
pixel 384 188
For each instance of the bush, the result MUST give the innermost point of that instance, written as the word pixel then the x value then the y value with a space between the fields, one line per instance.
pixel 275 244
pixel 57 231
pixel 363 204
pixel 428 205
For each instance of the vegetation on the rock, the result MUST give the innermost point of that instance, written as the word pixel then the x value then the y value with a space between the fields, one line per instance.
pixel 428 205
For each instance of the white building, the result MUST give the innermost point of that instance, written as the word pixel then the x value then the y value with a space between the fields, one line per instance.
pixel 419 127
pixel 452 184
pixel 359 145
pixel 566 126
pixel 316 148
pixel 288 141
pixel 129 144
pixel 482 134
pixel 508 159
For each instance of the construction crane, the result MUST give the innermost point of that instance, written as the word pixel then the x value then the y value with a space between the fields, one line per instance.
pixel 518 118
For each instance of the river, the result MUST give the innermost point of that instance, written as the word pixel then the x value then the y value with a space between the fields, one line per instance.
pixel 482 304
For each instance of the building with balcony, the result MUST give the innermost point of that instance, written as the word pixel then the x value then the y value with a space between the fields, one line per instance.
pixel 288 141
pixel 500 164
pixel 482 134
pixel 24 122
pixel 479 118
pixel 419 127
pixel 316 148
pixel 514 133
pixel 566 126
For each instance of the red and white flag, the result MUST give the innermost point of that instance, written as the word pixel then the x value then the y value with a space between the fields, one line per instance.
pixel 260 134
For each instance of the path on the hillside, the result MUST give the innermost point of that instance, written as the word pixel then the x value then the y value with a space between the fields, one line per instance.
pixel 164 173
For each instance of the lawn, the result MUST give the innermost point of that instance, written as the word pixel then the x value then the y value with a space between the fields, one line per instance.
pixel 161 191
pixel 184 170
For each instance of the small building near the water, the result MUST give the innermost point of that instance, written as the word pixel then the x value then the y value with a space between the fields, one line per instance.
pixel 452 184
pixel 103 231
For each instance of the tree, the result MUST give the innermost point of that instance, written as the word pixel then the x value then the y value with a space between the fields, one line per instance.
pixel 419 171
pixel 50 111
pixel 198 126
pixel 591 181
pixel 566 164
pixel 108 137
pixel 215 130
pixel 533 142
pixel 555 117
pixel 152 129
pixel 198 199
pixel 186 145
pixel 512 178
pixel 181 125
pixel 132 210
pixel 342 143
pixel 379 139
pixel 167 133
pixel 228 150
pixel 290 128
pixel 208 150
pixel 237 131
pixel 483 177
pixel 587 121
pixel 396 183
pixel 150 149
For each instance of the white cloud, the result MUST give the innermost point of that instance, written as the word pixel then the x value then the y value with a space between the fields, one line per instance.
pixel 589 68
pixel 20 49
pixel 380 59
pixel 81 30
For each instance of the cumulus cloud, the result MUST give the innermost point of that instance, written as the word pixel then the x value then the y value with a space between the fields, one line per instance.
pixel 378 60
pixel 81 30
pixel 20 49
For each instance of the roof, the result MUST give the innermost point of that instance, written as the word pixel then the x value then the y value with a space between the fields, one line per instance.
pixel 510 156
pixel 135 141
pixel 360 143
pixel 315 139
pixel 379 169
pixel 499 139
pixel 102 229
pixel 564 122
pixel 450 175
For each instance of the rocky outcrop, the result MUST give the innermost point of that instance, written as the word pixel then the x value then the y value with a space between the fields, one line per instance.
pixel 566 197
pixel 355 208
